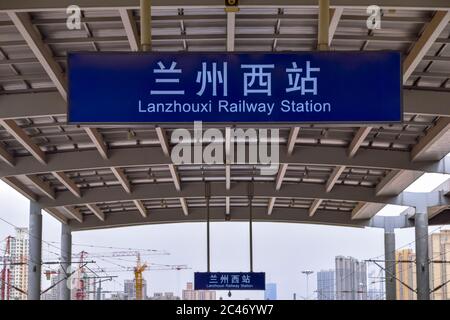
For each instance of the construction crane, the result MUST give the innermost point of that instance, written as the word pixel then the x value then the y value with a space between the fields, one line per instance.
pixel 134 253
pixel 138 281
pixel 150 267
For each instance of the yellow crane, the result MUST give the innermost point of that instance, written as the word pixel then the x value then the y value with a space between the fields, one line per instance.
pixel 138 270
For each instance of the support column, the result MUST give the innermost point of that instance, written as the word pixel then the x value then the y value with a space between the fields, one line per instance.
pixel 324 25
pixel 146 25
pixel 66 260
pixel 389 256
pixel 34 253
pixel 422 263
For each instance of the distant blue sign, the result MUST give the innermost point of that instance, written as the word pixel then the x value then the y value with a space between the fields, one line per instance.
pixel 229 281
pixel 357 87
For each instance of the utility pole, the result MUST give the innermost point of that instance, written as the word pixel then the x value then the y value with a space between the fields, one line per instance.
pixel 307 273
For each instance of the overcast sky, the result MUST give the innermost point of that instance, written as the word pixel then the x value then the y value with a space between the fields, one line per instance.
pixel 281 250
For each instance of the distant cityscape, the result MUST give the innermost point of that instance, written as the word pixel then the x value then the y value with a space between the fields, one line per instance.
pixel 350 278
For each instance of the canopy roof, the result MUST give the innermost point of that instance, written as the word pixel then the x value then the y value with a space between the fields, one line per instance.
pixel 117 176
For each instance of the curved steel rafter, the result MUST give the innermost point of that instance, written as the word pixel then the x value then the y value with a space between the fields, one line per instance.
pixel 218 189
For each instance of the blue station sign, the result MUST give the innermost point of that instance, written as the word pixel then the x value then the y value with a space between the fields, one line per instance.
pixel 229 281
pixel 177 87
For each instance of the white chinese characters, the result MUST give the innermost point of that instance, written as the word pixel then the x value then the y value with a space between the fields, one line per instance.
pixel 163 71
pixel 264 83
pixel 302 85
pixel 212 79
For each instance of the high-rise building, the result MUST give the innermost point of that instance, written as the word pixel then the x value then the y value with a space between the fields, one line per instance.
pixel 19 268
pixel 271 291
pixel 129 288
pixel 439 251
pixel 325 285
pixel 405 272
pixel 55 292
pixel 190 294
pixel 351 279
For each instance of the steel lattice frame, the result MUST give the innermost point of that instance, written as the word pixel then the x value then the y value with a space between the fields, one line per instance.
pixel 105 177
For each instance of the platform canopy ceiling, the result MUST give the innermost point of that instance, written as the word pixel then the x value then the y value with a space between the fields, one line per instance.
pixel 117 176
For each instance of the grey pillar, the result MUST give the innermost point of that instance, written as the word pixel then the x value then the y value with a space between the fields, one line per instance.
pixel 34 254
pixel 422 263
pixel 66 260
pixel 389 256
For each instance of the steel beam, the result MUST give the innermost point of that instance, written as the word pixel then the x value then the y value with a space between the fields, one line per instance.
pixel 175 176
pixel 163 140
pixel 396 181
pixel 280 176
pixel 34 252
pixel 334 177
pixel 59 5
pixel 42 186
pixel 98 141
pixel 228 176
pixel 175 215
pixel 32 105
pixel 14 183
pixel 6 156
pixel 184 206
pixel 314 206
pixel 73 213
pixel 130 28
pixel 292 139
pixel 58 215
pixel 140 206
pixel 271 205
pixel 67 182
pixel 336 15
pixel 366 210
pixel 20 135
pixel 139 156
pixel 429 35
pixel 222 37
pixel 358 140
pixel 120 175
pixel 96 211
pixel 435 144
pixel 196 190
